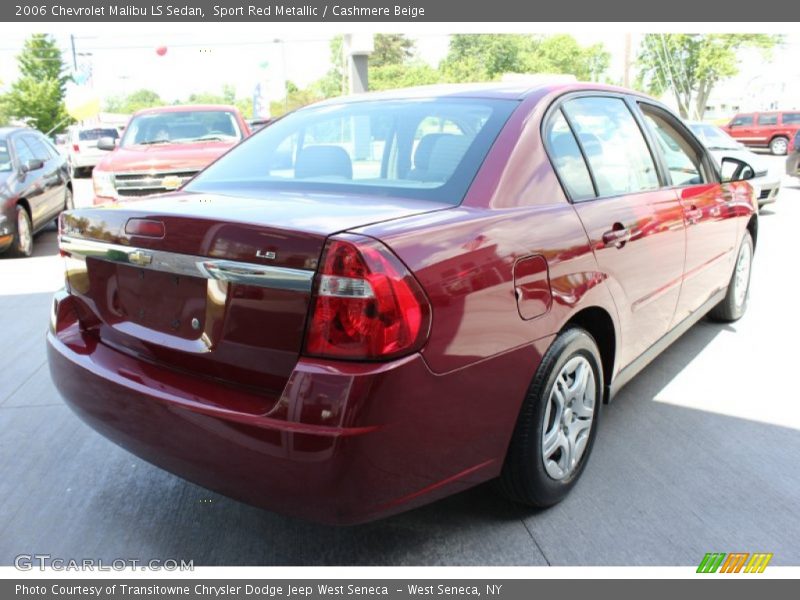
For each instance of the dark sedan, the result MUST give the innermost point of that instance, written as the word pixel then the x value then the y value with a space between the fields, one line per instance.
pixel 381 300
pixel 793 160
pixel 34 187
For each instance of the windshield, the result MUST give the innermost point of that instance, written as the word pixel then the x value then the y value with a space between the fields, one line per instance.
pixel 714 138
pixel 427 149
pixel 86 135
pixel 5 158
pixel 182 127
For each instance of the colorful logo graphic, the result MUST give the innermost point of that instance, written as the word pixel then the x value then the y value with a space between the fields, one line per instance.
pixel 735 562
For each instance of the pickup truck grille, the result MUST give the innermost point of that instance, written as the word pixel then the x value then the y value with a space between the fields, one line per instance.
pixel 146 184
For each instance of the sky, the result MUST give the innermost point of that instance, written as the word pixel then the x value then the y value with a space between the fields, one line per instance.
pixel 204 57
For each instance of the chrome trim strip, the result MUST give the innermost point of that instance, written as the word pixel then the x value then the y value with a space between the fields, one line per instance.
pixel 281 278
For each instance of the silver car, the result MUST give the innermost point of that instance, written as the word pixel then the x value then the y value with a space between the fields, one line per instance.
pixel 766 184
pixel 82 151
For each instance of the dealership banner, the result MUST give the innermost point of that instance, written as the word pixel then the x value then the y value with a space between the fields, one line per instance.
pixel 394 589
pixel 397 10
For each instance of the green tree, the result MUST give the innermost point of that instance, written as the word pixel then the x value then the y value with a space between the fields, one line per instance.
pixel 295 98
pixel 134 101
pixel 487 57
pixel 37 96
pixel 333 82
pixel 391 49
pixel 389 77
pixel 690 65
pixel 228 96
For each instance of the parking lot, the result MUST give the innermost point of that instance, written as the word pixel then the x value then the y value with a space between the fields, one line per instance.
pixel 698 454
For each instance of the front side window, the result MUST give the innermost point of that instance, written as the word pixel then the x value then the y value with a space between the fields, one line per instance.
pixel 567 159
pixel 742 121
pixel 23 151
pixel 40 151
pixel 613 144
pixel 181 127
pixel 428 149
pixel 764 120
pixel 683 161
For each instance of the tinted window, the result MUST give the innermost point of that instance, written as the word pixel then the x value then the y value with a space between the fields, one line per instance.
pixel 23 151
pixel 742 121
pixel 793 118
pixel 767 119
pixel 38 148
pixel 428 149
pixel 614 146
pixel 567 159
pixel 683 161
pixel 95 134
pixel 181 127
pixel 5 157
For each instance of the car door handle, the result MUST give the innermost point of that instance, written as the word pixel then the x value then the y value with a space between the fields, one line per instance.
pixel 617 235
pixel 693 215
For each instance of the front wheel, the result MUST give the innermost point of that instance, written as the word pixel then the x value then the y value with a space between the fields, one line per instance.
pixel 22 244
pixel 779 146
pixel 734 305
pixel 557 424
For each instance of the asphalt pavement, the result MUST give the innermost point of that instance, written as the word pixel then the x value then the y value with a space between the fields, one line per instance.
pixel 698 454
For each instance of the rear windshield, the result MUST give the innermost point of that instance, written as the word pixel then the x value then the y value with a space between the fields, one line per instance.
pixel 426 149
pixel 182 127
pixel 86 135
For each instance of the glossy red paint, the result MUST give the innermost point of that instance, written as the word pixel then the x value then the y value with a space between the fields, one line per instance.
pixel 242 411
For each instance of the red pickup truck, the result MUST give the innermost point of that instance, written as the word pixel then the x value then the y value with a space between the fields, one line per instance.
pixel 772 130
pixel 162 148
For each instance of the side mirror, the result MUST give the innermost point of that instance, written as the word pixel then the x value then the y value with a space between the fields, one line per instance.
pixel 106 143
pixel 34 164
pixel 734 169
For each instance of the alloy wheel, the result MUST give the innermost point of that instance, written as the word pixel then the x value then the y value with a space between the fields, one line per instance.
pixel 741 280
pixel 24 233
pixel 568 418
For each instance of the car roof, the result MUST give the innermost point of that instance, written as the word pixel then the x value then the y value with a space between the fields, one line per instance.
pixel 516 90
pixel 184 108
pixel 6 131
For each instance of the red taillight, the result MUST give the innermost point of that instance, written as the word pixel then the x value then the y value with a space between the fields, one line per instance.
pixel 76 148
pixel 145 227
pixel 367 305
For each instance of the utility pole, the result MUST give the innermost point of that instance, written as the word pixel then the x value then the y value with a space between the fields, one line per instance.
pixel 626 73
pixel 74 55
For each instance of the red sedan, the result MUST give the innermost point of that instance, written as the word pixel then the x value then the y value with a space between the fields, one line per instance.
pixel 379 301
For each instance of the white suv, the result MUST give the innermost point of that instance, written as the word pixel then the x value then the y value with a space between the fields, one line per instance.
pixel 82 151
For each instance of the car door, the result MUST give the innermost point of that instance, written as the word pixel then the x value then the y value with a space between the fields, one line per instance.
pixel 635 227
pixel 765 127
pixel 31 184
pixel 51 177
pixel 742 128
pixel 709 218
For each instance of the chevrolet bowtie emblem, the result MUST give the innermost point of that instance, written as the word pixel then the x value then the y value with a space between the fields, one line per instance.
pixel 171 182
pixel 140 258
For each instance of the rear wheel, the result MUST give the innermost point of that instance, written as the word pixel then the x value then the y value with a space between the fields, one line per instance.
pixel 779 146
pixel 557 425
pixel 22 244
pixel 734 305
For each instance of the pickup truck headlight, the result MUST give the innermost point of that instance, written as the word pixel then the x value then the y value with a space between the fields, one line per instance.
pixel 104 184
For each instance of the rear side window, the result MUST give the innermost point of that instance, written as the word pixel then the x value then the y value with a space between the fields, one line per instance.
pixel 742 121
pixel 614 146
pixel 567 159
pixel 791 118
pixel 767 119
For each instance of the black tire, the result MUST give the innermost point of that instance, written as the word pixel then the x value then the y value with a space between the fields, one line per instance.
pixel 21 245
pixel 69 199
pixel 734 305
pixel 524 477
pixel 779 146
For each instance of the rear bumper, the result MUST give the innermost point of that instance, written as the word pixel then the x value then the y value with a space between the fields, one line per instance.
pixel 345 443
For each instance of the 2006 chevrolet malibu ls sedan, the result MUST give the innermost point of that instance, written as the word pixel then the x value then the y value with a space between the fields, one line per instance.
pixel 379 301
